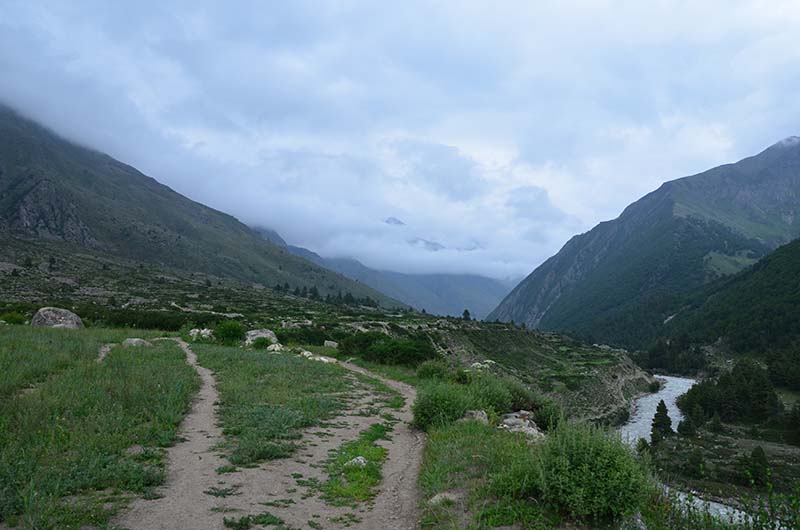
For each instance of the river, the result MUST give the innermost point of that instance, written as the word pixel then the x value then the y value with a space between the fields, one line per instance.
pixel 639 424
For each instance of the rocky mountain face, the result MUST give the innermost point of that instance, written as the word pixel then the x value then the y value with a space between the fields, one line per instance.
pixel 54 190
pixel 620 281
pixel 440 294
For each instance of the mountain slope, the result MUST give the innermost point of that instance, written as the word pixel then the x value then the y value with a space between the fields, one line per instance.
pixel 52 189
pixel 441 294
pixel 755 311
pixel 618 282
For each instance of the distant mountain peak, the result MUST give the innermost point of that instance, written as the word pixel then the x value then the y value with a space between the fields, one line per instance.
pixel 791 141
pixel 394 221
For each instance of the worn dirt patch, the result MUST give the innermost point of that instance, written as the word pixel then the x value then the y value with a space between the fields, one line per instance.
pixel 196 497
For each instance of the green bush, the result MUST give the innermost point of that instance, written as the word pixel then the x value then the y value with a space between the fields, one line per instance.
pixel 13 318
pixel 433 370
pixel 261 343
pixel 303 335
pixel 229 333
pixel 439 403
pixel 380 348
pixel 490 393
pixel 588 473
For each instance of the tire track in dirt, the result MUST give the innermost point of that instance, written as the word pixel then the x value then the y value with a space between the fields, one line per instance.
pixel 285 485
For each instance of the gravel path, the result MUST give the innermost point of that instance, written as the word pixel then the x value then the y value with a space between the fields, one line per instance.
pixel 283 484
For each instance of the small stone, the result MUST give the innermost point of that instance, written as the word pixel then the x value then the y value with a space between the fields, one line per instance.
pixel 446 497
pixel 331 344
pixel 275 348
pixel 134 450
pixel 358 461
pixel 476 415
pixel 136 343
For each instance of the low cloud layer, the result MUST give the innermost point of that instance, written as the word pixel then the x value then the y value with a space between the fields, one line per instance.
pixel 496 131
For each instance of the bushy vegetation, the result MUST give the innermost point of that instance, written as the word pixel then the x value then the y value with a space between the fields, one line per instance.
pixel 580 472
pixel 380 348
pixel 229 333
pixel 304 335
pixel 442 401
pixel 743 394
pixel 13 317
pixel 349 483
pixel 69 435
pixel 583 471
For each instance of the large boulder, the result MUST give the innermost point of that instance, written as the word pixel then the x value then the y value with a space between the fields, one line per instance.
pixel 258 334
pixel 55 317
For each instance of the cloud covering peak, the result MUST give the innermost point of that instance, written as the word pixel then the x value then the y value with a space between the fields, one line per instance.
pixel 494 131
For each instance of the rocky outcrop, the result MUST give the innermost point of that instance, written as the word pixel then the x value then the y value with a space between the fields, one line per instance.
pixel 521 422
pixel 260 334
pixel 55 317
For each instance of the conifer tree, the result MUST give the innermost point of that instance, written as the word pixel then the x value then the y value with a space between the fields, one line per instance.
pixel 662 424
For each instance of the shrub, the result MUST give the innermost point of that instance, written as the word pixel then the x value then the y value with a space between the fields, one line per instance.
pixel 489 393
pixel 261 343
pixel 380 348
pixel 230 332
pixel 13 318
pixel 548 414
pixel 304 335
pixel 439 403
pixel 588 473
pixel 522 397
pixel 433 370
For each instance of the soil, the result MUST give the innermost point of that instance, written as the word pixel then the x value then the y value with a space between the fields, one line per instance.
pixel 197 497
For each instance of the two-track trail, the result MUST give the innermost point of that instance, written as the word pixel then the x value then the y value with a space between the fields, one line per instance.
pixel 197 497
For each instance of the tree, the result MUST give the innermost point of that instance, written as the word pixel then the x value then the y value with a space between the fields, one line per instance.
pixel 662 424
pixel 465 315
pixel 28 262
pixel 686 427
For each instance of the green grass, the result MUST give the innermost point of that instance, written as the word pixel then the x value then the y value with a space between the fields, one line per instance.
pixel 349 484
pixel 460 458
pixel 30 355
pixel 69 437
pixel 266 400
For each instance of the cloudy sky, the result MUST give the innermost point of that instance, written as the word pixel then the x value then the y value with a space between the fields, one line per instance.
pixel 496 130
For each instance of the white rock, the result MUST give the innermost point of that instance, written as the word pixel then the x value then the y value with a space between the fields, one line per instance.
pixel 260 333
pixel 204 333
pixel 358 461
pixel 3 323
pixel 55 317
pixel 136 343
pixel 275 347
pixel 521 422
pixel 476 415
pixel 443 497
pixel 331 344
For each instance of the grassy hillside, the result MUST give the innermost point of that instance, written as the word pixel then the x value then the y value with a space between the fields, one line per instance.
pixel 55 191
pixel 620 281
pixel 755 311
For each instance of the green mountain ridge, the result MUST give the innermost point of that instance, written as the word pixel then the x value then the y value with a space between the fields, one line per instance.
pixel 620 281
pixel 754 311
pixel 54 190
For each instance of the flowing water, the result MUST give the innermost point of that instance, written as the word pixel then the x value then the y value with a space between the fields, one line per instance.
pixel 639 424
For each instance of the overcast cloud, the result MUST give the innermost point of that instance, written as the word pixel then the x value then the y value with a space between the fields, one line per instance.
pixel 495 129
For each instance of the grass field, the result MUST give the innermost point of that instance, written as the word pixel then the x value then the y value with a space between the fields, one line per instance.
pixel 31 355
pixel 266 400
pixel 65 445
